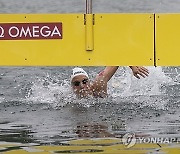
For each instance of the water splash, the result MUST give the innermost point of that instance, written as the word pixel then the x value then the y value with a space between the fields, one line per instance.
pixel 49 90
pixel 2 99
pixel 125 84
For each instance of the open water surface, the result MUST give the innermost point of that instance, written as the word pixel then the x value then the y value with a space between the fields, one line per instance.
pixel 37 105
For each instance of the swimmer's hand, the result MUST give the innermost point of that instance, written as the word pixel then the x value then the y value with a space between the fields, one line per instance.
pixel 139 71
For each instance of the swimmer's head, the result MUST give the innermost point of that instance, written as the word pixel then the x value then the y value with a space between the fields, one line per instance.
pixel 80 82
pixel 78 71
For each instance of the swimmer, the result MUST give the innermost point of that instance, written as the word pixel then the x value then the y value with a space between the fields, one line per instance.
pixel 82 87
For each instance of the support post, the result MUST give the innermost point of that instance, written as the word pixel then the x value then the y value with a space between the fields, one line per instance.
pixel 88 6
pixel 89 26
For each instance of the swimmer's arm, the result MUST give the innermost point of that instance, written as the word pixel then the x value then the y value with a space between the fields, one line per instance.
pixel 107 73
pixel 100 84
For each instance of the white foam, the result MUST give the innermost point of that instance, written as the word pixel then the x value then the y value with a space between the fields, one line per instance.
pixel 127 85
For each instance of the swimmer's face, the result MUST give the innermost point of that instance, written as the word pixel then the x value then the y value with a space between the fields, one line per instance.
pixel 81 85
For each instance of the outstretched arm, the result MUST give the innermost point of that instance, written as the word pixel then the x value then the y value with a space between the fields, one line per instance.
pixel 107 73
pixel 100 84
